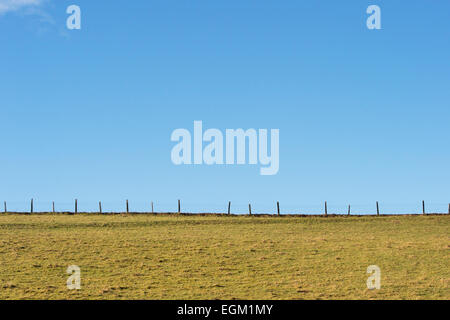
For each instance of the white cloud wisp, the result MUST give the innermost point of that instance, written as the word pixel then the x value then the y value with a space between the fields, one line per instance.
pixel 14 5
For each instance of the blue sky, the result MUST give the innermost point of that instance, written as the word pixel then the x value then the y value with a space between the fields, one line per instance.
pixel 363 114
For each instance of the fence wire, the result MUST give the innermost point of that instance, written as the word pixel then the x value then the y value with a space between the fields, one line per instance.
pixel 45 206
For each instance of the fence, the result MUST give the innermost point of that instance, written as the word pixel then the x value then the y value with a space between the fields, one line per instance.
pixel 277 210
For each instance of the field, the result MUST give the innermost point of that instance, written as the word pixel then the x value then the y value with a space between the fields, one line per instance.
pixel 220 257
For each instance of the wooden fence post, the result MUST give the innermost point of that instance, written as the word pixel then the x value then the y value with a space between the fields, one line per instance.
pixel 229 207
pixel 179 206
pixel 249 209
pixel 348 209
pixel 76 206
pixel 152 208
pixel 278 208
pixel 326 209
pixel 423 207
pixel 378 209
pixel 53 206
pixel 128 209
pixel 31 209
pixel 100 207
pixel 6 210
pixel 449 208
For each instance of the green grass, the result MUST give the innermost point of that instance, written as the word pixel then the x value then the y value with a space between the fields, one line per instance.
pixel 213 257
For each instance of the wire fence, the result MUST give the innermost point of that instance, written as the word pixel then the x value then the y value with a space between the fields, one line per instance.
pixel 276 208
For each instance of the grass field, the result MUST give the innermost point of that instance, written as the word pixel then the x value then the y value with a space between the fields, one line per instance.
pixel 213 257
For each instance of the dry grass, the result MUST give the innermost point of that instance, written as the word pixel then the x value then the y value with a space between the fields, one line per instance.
pixel 178 257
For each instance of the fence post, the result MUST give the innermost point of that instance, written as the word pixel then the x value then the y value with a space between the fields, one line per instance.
pixel 326 209
pixel 53 206
pixel 378 209
pixel 449 208
pixel 128 209
pixel 229 207
pixel 76 206
pixel 100 207
pixel 152 208
pixel 6 210
pixel 249 209
pixel 423 207
pixel 278 208
pixel 31 209
pixel 348 209
pixel 179 206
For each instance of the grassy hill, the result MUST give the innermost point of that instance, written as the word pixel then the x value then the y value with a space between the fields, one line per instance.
pixel 213 257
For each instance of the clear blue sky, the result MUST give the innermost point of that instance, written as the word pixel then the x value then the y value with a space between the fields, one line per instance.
pixel 363 114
